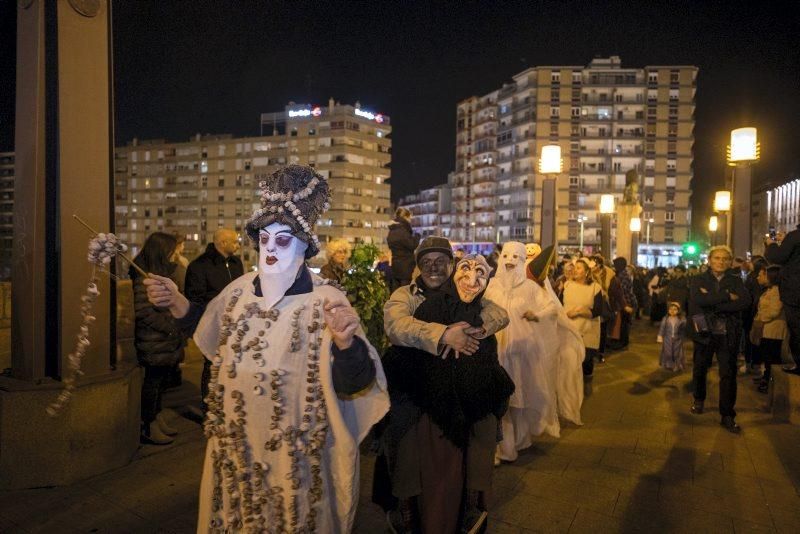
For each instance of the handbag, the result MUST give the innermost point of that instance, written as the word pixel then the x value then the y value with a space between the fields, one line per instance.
pixel 756 332
pixel 700 322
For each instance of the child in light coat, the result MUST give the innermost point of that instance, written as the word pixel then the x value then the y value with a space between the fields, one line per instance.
pixel 671 335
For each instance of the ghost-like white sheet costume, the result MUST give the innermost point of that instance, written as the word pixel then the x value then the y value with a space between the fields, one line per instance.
pixel 542 356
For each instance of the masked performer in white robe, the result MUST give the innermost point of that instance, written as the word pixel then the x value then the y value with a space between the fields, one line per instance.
pixel 528 350
pixel 295 386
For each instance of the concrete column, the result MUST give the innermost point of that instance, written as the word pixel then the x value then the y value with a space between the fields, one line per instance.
pixel 741 212
pixel 549 204
pixel 64 146
pixel 625 212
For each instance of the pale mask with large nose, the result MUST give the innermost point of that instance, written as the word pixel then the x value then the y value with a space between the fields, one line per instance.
pixel 471 276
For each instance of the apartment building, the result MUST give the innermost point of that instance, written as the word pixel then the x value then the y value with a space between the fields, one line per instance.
pixel 430 210
pixel 775 207
pixel 6 213
pixel 607 120
pixel 211 181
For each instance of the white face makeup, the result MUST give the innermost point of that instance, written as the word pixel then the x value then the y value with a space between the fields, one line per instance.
pixel 278 248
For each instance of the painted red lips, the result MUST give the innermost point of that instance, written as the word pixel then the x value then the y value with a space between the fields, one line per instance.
pixel 270 260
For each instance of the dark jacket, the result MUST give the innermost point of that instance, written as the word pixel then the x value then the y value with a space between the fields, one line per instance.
pixel 209 273
pixel 787 255
pixel 402 243
pixel 678 291
pixel 715 304
pixel 157 338
pixel 332 272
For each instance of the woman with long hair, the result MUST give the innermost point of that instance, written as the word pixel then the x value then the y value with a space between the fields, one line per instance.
pixel 769 324
pixel 157 339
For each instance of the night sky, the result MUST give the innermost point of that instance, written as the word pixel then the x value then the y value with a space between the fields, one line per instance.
pixel 212 67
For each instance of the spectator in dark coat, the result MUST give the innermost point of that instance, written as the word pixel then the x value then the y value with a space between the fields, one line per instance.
pixel 716 301
pixel 157 338
pixel 402 242
pixel 785 251
pixel 207 275
pixel 630 305
pixel 678 287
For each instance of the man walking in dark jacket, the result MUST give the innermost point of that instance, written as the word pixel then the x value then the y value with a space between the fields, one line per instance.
pixel 716 300
pixel 785 251
pixel 207 275
pixel 402 242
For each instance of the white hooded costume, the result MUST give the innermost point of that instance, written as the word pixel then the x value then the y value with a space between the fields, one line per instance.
pixel 542 357
pixel 528 350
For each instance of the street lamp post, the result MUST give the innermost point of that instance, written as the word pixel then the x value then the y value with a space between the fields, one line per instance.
pixel 647 238
pixel 636 228
pixel 550 165
pixel 722 205
pixel 474 231
pixel 606 210
pixel 713 224
pixel 743 151
pixel 581 219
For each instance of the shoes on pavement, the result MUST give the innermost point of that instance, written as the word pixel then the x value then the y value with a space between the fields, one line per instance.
pixel 792 369
pixel 164 426
pixel 697 407
pixel 152 434
pixel 730 424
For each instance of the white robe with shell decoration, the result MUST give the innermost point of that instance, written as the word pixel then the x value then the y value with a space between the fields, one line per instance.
pixel 282 453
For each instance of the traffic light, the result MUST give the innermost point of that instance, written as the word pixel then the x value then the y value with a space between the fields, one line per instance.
pixel 690 249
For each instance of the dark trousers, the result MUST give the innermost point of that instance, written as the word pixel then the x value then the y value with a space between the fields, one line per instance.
pixel 155 377
pixel 769 351
pixel 726 358
pixel 205 378
pixel 792 314
pixel 588 361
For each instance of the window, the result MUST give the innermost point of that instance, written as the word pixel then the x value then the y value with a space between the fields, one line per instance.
pixel 221 182
pixel 576 111
pixel 674 95
pixel 674 76
pixel 554 112
pixel 312 131
pixel 555 77
pixel 669 216
pixel 293 133
pixel 652 77
pixel 576 77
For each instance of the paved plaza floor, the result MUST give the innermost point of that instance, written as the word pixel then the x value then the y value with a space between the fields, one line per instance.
pixel 640 463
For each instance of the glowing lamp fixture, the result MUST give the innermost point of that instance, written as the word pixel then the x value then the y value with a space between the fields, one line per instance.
pixel 744 146
pixel 550 160
pixel 713 223
pixel 636 224
pixel 722 201
pixel 606 204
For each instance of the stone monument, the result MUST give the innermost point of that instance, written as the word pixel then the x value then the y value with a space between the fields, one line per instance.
pixel 627 210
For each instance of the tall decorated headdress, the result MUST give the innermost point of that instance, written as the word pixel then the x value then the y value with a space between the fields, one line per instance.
pixel 296 196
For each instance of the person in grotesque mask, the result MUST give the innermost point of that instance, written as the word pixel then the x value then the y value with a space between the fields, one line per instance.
pixel 295 385
pixel 451 404
pixel 529 350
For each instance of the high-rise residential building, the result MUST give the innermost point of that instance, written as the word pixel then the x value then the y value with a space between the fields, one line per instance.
pixel 6 213
pixel 607 120
pixel 775 207
pixel 211 181
pixel 430 209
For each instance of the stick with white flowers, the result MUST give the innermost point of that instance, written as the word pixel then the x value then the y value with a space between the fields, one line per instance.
pixel 102 248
